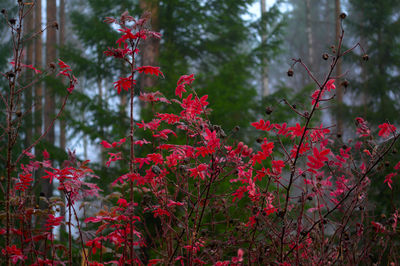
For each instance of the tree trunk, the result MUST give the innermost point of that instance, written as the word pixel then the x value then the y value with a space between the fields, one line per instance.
pixel 51 41
pixel 63 139
pixel 28 29
pixel 150 48
pixel 339 89
pixel 309 34
pixel 38 64
pixel 264 72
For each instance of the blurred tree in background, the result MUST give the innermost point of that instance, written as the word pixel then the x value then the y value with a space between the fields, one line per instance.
pixel 374 87
pixel 212 39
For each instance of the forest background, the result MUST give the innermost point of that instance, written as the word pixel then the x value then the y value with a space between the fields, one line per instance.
pixel 240 52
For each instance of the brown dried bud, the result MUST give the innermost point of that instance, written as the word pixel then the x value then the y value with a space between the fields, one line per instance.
pixel 12 21
pixel 290 72
pixel 155 169
pixel 52 65
pixel 260 139
pixel 325 56
pixel 146 15
pixel 269 110
pixel 306 114
pixel 387 163
pixel 182 168
pixel 18 113
pixel 309 198
pixel 220 132
pixel 365 57
pixel 3 11
pixel 55 25
pixel 294 106
pixel 236 129
pixel 338 135
pixel 343 15
pixel 394 151
pixel 345 83
pixel 10 74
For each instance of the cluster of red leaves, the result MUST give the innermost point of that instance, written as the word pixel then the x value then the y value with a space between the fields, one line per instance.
pixel 191 190
pixel 67 71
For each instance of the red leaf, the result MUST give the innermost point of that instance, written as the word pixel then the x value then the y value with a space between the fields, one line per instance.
pixel 105 144
pixel 62 64
pixel 183 80
pixel 386 130
pixel 46 155
pixel 124 83
pixel 330 85
pixel 150 70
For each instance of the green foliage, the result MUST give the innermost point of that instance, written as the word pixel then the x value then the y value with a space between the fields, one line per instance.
pixel 211 39
pixel 375 89
pixel 376 24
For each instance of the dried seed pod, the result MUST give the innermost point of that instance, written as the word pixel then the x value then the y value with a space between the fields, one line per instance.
pixel 55 25
pixel 10 74
pixel 155 169
pixel 236 129
pixel 290 72
pixel 345 83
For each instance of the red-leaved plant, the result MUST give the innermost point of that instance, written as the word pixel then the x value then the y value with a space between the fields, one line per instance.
pixel 298 198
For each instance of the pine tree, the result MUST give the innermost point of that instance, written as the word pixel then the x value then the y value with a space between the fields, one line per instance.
pixel 376 24
pixel 374 89
pixel 211 39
